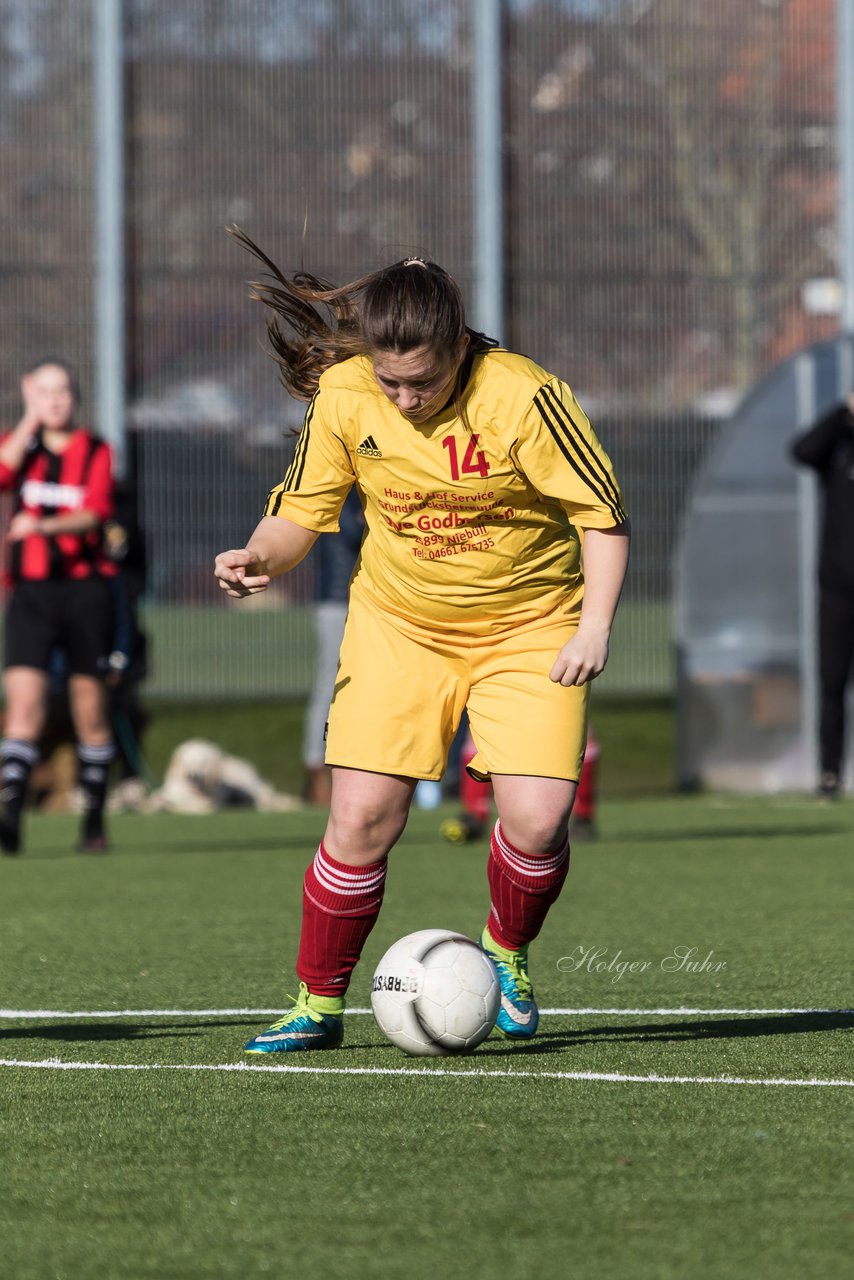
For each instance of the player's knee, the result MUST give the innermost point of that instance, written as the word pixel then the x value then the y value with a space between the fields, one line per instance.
pixel 535 831
pixel 361 831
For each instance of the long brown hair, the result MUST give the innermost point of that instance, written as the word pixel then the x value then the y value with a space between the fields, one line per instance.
pixel 411 304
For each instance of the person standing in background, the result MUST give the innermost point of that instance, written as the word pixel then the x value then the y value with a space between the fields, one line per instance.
pixel 336 558
pixel 59 574
pixel 828 448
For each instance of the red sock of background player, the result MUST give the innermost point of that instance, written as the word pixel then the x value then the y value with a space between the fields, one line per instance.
pixel 584 809
pixel 523 887
pixel 475 797
pixel 340 905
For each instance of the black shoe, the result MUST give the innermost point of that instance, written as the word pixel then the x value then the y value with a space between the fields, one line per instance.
pixel 93 837
pixel 94 844
pixel 10 835
pixel 828 785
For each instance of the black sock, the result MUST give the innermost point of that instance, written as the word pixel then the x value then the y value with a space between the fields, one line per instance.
pixel 94 767
pixel 17 757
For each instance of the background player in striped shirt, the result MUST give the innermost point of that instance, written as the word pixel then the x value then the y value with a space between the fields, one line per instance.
pixel 480 477
pixel 57 571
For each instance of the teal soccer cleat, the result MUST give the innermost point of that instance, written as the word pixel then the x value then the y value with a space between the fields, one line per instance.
pixel 315 1022
pixel 518 1016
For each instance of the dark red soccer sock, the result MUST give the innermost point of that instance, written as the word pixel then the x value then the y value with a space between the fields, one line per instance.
pixel 340 905
pixel 523 887
pixel 475 797
pixel 584 809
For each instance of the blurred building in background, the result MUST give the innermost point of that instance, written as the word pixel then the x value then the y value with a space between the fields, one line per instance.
pixel 670 179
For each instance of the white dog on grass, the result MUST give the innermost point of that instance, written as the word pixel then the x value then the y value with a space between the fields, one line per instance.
pixel 201 778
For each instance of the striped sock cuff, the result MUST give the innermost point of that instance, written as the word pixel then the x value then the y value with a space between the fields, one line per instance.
pixel 19 749
pixel 341 889
pixel 532 873
pixel 95 754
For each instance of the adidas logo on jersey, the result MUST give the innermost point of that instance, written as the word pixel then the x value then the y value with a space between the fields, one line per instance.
pixel 368 448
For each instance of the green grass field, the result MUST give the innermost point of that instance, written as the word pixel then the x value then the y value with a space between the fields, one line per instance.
pixel 670 1123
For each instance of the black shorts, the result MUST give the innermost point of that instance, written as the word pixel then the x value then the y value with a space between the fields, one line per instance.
pixel 73 614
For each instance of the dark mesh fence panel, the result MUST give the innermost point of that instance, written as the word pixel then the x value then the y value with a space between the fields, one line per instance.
pixel 46 197
pixel 671 188
pixel 337 136
pixel 670 191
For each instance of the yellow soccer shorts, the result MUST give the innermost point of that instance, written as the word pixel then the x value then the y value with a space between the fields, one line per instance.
pixel 401 689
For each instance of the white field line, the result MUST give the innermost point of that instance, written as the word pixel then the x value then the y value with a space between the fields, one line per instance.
pixel 616 1077
pixel 14 1015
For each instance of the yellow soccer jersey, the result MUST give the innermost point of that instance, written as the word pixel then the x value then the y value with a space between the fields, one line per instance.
pixel 466 523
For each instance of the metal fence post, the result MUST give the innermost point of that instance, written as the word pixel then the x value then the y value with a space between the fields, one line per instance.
pixel 488 167
pixel 109 227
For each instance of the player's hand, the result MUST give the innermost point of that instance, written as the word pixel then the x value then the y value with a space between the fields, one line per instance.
pixel 582 658
pixel 22 525
pixel 240 573
pixel 31 421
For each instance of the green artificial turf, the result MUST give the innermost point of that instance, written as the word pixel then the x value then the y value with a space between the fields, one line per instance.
pixel 523 1170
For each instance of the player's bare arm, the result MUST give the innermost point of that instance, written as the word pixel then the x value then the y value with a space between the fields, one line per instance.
pixel 276 546
pixel 23 524
pixel 606 559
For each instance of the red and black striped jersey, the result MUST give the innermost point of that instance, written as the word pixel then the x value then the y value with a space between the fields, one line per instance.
pixel 54 484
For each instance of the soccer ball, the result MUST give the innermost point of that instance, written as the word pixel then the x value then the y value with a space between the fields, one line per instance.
pixel 435 992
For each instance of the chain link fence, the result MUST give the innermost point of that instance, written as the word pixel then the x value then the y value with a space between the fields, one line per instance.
pixel 670 194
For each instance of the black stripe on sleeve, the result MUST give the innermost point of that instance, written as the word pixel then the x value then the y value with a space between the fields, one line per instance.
pixel 594 462
pixel 274 501
pixel 294 473
pixel 578 453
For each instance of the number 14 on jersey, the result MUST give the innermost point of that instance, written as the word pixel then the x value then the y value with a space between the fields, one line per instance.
pixel 474 460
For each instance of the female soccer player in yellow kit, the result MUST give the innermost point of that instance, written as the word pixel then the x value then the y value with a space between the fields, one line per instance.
pixel 480 477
